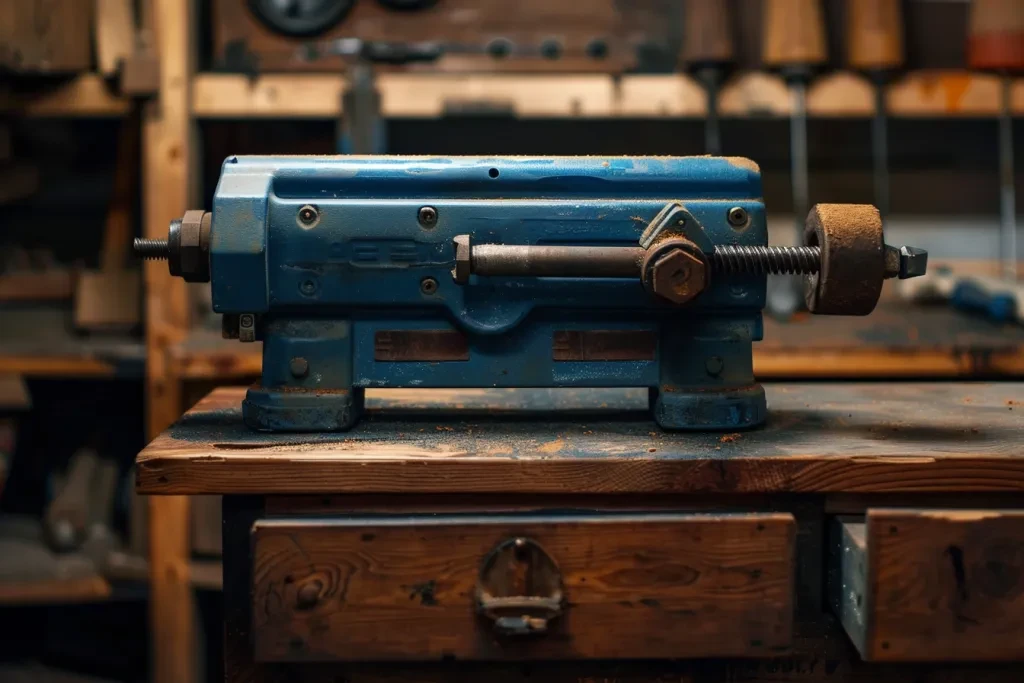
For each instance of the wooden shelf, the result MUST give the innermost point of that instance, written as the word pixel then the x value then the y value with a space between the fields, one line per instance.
pixel 206 574
pixel 895 341
pixel 55 591
pixel 86 95
pixel 206 355
pixel 39 343
pixel 429 95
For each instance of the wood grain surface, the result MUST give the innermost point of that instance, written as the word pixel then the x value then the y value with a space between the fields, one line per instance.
pixel 936 585
pixel 852 438
pixel 635 586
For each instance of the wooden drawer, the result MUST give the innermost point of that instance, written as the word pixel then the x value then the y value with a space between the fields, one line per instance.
pixel 459 586
pixel 931 585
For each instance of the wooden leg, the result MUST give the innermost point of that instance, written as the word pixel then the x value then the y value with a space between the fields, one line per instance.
pixel 172 609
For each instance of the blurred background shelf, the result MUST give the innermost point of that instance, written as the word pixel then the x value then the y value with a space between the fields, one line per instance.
pixel 84 95
pixel 55 591
pixel 894 341
pixel 40 343
pixel 754 94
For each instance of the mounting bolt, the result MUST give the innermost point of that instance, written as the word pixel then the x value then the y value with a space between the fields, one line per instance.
pixel 428 285
pixel 308 216
pixel 738 217
pixel 427 216
pixel 246 327
pixel 714 365
pixel 299 367
pixel 308 287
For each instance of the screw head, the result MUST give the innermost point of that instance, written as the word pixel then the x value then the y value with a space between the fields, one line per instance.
pixel 738 217
pixel 427 216
pixel 245 320
pixel 298 366
pixel 428 285
pixel 308 216
pixel 308 287
pixel 714 365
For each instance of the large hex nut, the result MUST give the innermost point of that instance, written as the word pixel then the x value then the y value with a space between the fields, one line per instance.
pixel 853 260
pixel 194 246
pixel 675 270
pixel 463 259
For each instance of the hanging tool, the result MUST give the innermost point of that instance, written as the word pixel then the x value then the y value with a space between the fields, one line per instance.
pixel 708 52
pixel 794 43
pixel 874 46
pixel 996 43
pixel 362 129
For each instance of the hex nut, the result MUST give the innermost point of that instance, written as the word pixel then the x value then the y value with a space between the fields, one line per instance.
pixel 679 272
pixel 853 259
pixel 194 246
pixel 463 256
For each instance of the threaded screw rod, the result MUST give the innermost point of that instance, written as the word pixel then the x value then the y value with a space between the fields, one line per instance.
pixel 766 260
pixel 151 249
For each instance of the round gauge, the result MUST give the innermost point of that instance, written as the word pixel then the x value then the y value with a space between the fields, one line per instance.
pixel 405 5
pixel 300 17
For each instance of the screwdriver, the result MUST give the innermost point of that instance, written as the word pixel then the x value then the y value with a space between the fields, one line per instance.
pixel 708 53
pixel 996 43
pixel 794 44
pixel 874 46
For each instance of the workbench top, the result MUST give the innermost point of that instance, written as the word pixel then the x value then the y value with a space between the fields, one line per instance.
pixel 856 437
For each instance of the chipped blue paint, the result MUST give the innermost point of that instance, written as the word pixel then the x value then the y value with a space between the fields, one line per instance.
pixel 323 292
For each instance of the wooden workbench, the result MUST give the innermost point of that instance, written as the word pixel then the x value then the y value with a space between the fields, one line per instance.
pixel 431 479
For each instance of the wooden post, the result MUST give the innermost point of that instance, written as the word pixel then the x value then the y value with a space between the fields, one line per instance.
pixel 168 179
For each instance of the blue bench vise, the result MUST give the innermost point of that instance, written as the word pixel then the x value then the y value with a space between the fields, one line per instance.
pixel 386 271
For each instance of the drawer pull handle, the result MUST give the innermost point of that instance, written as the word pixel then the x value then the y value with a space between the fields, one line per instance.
pixel 519 588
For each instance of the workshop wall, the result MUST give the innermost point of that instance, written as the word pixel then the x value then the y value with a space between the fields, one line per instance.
pixel 116 115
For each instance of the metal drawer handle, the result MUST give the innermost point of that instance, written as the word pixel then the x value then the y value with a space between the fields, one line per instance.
pixel 519 588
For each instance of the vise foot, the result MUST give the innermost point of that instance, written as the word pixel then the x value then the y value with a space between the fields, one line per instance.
pixel 290 409
pixel 693 409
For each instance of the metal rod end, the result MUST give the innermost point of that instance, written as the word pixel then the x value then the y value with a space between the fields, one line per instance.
pixel 151 248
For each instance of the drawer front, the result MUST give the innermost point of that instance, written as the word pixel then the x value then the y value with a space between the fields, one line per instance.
pixel 523 586
pixel 931 585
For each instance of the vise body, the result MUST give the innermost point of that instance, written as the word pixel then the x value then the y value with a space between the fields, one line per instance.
pixel 382 271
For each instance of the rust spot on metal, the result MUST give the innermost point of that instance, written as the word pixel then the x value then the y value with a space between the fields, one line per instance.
pixel 729 438
pixel 420 345
pixel 603 345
